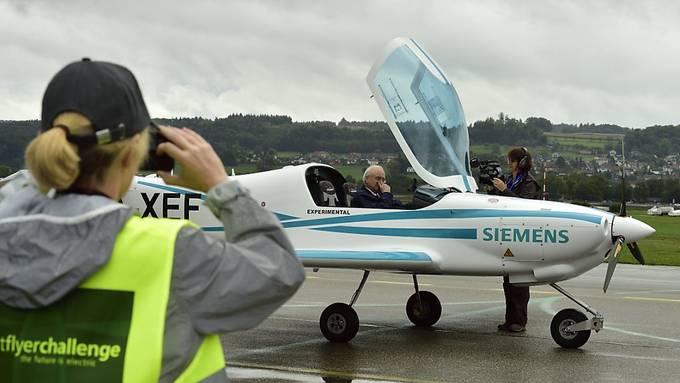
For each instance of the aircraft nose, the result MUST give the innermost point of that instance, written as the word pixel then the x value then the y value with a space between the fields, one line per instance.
pixel 631 229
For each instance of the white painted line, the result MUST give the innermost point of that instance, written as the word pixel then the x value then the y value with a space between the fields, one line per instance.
pixel 308 305
pixel 622 356
pixel 646 292
pixel 640 334
pixel 653 299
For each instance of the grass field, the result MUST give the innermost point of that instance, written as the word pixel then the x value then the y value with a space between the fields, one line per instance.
pixel 242 169
pixel 356 171
pixel 663 247
pixel 576 142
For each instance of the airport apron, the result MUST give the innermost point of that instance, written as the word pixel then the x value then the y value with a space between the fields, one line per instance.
pixel 111 328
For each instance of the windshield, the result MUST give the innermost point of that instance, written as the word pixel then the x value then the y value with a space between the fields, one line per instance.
pixel 426 110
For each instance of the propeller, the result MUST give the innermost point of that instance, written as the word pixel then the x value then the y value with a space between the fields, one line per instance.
pixel 612 260
pixel 637 254
pixel 619 240
pixel 632 246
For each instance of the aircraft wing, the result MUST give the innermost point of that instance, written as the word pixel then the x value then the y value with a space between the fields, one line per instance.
pixel 398 260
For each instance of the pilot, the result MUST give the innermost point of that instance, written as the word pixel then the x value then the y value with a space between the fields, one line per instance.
pixel 86 279
pixel 376 192
pixel 520 184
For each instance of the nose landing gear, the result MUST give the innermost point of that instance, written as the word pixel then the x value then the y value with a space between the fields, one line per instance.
pixel 571 328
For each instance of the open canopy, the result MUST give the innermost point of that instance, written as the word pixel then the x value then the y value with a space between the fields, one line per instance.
pixel 422 108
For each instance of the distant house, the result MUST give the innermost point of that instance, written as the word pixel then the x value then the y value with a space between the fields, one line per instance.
pixel 555 156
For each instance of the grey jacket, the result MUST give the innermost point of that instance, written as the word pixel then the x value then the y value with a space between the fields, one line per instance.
pixel 49 246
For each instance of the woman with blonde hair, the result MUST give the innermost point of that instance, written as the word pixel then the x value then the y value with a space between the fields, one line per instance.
pixel 91 292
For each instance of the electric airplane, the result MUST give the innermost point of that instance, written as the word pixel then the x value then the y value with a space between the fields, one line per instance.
pixel 453 230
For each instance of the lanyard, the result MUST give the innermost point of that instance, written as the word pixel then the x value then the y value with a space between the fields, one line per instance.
pixel 512 182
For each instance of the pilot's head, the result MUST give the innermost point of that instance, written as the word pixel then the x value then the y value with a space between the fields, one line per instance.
pixel 93 133
pixel 374 176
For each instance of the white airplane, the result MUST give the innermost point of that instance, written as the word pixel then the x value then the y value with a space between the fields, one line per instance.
pixel 453 231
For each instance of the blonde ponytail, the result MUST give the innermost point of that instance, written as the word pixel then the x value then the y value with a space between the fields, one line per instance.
pixel 53 161
pixel 57 163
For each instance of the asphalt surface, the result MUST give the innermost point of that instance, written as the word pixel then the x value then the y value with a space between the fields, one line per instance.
pixel 640 341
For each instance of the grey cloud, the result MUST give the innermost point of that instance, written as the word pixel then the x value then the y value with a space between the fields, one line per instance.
pixel 596 61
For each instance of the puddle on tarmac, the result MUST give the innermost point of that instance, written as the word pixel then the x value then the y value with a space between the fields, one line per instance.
pixel 256 375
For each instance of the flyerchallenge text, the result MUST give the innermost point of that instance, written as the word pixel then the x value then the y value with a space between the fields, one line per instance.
pixel 51 351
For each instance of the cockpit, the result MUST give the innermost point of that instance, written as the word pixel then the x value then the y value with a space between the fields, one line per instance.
pixel 328 188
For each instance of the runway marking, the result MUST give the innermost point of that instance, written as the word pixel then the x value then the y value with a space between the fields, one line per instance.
pixel 307 305
pixel 276 349
pixel 339 374
pixel 400 283
pixel 369 281
pixel 640 334
pixel 653 299
pixel 647 292
pixel 533 291
pixel 623 278
pixel 317 321
pixel 621 356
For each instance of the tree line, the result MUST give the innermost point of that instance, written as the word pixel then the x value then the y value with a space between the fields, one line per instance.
pixel 237 136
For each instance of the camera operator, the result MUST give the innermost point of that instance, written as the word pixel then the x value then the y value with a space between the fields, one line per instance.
pixel 520 184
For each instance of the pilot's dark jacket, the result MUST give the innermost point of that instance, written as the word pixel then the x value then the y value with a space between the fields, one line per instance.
pixel 365 198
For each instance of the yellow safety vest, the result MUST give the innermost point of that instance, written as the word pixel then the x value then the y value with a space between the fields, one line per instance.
pixel 110 328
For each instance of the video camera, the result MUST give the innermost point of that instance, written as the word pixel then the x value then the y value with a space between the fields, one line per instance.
pixel 488 170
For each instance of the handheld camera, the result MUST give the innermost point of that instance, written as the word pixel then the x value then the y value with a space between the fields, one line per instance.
pixel 488 170
pixel 154 161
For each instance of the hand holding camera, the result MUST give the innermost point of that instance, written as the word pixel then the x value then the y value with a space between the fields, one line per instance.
pixel 201 168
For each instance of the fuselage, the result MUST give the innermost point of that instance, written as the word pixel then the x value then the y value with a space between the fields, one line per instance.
pixel 530 241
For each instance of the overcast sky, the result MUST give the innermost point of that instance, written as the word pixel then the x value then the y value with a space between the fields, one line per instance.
pixel 587 61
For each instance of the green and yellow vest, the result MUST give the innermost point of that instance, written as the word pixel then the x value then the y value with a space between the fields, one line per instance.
pixel 111 328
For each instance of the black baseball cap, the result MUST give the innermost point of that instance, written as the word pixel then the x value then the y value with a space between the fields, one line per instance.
pixel 106 93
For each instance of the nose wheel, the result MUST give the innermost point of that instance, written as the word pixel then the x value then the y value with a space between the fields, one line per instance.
pixel 571 328
pixel 561 329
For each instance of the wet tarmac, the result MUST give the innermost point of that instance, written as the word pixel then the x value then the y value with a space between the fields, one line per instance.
pixel 640 340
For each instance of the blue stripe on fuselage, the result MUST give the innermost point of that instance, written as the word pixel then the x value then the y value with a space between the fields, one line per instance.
pixel 364 255
pixel 404 232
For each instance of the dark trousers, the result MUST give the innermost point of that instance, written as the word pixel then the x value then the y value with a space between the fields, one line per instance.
pixel 516 303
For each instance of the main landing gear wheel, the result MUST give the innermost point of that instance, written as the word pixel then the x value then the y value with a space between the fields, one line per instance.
pixel 423 312
pixel 560 324
pixel 339 323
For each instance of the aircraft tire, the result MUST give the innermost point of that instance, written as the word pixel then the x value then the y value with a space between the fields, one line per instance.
pixel 563 319
pixel 339 323
pixel 430 312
